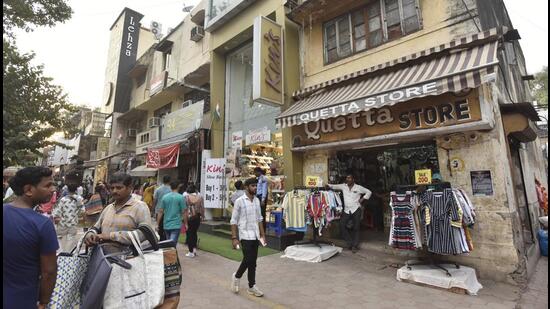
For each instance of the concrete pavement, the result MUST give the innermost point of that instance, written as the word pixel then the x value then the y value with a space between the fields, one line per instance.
pixel 345 281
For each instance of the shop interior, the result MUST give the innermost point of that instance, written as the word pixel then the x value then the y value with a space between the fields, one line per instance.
pixel 380 170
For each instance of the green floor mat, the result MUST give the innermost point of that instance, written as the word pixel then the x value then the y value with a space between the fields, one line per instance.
pixel 222 246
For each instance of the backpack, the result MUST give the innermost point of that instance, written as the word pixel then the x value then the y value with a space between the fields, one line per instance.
pixel 192 201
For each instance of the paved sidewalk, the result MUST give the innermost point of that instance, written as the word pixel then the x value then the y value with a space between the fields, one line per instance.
pixel 535 295
pixel 345 281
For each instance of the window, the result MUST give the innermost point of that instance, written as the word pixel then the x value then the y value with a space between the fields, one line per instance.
pixel 380 21
pixel 166 60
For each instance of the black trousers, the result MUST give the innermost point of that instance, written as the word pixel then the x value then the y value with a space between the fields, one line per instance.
pixel 161 229
pixel 351 236
pixel 193 228
pixel 262 208
pixel 250 254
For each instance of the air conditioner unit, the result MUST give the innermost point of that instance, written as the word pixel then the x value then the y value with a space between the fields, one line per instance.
pixel 131 133
pixel 197 33
pixel 156 29
pixel 153 122
pixel 186 103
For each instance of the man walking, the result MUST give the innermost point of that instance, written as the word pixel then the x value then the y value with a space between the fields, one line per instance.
pixel 157 197
pixel 247 218
pixel 29 242
pixel 354 195
pixel 172 211
pixel 65 214
pixel 262 189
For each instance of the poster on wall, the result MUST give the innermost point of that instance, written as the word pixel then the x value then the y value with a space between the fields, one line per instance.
pixel 214 183
pixel 165 157
pixel 482 183
pixel 237 140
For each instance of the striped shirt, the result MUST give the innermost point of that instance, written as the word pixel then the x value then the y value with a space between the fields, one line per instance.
pixel 246 215
pixel 118 221
pixel 294 210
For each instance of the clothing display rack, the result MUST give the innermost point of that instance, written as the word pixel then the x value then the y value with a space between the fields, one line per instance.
pixel 315 240
pixel 429 258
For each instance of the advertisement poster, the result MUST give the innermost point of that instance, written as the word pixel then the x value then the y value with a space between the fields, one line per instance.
pixel 214 183
pixel 482 183
pixel 237 140
pixel 165 157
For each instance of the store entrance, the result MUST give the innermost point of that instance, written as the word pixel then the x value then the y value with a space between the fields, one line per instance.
pixel 381 170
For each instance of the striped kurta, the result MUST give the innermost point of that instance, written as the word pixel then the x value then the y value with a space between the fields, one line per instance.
pixel 441 238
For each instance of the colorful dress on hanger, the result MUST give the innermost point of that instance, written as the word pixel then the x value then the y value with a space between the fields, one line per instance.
pixel 403 230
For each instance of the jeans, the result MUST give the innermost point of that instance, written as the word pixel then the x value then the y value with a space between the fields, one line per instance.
pixel 250 254
pixel 192 229
pixel 172 235
pixel 351 236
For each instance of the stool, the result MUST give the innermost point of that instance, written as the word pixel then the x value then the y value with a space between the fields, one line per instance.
pixel 275 222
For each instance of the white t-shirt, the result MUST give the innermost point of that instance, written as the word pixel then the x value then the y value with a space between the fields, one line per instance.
pixel 352 196
pixel 9 193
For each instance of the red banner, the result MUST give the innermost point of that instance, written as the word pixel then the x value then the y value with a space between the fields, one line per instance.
pixel 166 157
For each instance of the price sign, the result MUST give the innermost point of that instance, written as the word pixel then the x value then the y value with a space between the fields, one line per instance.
pixel 423 177
pixel 313 181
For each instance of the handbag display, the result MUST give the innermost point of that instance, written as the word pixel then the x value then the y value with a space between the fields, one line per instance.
pixel 142 286
pixel 172 275
pixel 71 270
pixel 95 282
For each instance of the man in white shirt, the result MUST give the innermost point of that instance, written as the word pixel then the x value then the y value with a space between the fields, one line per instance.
pixel 247 218
pixel 354 195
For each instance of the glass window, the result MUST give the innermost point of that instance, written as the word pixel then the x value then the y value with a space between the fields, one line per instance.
pixel 375 25
pixel 359 31
pixel 344 38
pixel 411 22
pixel 393 20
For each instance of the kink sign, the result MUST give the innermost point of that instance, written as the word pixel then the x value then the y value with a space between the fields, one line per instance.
pixel 417 114
pixel 214 179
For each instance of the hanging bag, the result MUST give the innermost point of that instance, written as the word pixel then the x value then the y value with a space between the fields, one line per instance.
pixel 142 286
pixel 71 270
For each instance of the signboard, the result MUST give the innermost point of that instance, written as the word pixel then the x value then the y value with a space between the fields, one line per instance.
pixel 165 157
pixel 214 183
pixel 482 183
pixel 267 73
pixel 420 114
pixel 259 136
pixel 206 154
pixel 127 59
pixel 97 125
pixel 237 140
pixel 423 177
pixel 183 121
pixel 102 147
pixel 313 181
pixel 158 83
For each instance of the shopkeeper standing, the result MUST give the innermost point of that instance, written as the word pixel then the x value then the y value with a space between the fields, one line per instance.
pixel 261 192
pixel 354 195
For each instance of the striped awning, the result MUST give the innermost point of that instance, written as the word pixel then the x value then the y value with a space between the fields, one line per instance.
pixel 453 71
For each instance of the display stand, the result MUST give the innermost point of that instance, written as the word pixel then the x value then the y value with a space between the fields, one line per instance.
pixel 429 258
pixel 315 240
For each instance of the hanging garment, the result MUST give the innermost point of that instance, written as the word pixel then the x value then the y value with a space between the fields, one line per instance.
pixel 294 210
pixel 403 233
pixel 441 238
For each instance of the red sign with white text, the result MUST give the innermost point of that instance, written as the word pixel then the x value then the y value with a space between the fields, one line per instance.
pixel 165 157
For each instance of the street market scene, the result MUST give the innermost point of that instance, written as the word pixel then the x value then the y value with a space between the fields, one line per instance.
pixel 275 154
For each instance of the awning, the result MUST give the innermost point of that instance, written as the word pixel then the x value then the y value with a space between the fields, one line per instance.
pixel 452 71
pixel 143 171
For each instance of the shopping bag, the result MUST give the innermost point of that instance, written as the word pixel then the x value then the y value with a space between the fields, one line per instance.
pixel 95 282
pixel 142 286
pixel 71 270
pixel 172 276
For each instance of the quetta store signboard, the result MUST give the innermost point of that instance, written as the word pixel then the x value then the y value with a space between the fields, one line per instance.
pixel 214 183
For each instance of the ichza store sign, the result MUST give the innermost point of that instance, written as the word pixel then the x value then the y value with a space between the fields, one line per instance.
pixel 415 115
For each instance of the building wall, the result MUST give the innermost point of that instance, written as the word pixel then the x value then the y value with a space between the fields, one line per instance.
pixel 111 69
pixel 442 21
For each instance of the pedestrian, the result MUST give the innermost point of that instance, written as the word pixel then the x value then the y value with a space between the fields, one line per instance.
pixel 247 219
pixel 173 211
pixel 157 197
pixel 93 207
pixel 119 218
pixel 148 191
pixel 29 242
pixel 354 195
pixel 195 207
pixel 262 191
pixel 66 214
pixel 240 192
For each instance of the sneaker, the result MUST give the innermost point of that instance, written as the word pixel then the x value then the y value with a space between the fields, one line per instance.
pixel 190 254
pixel 254 291
pixel 235 283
